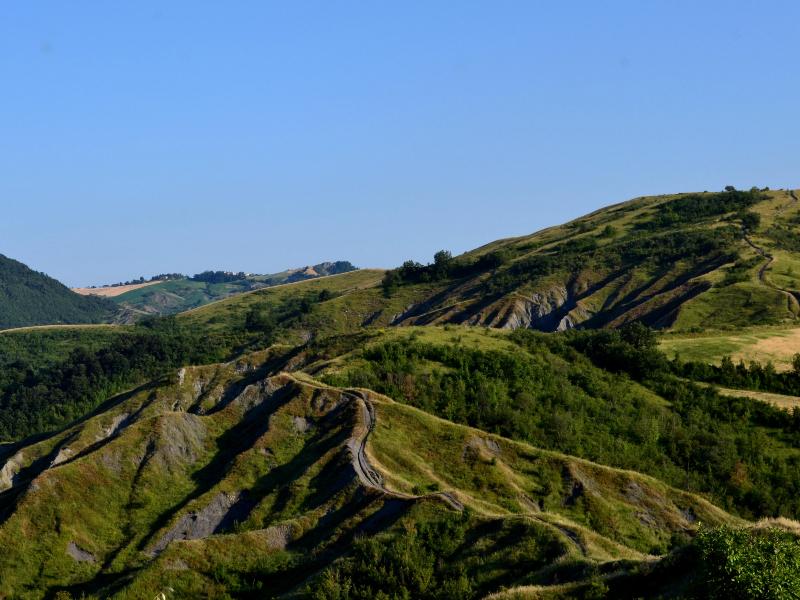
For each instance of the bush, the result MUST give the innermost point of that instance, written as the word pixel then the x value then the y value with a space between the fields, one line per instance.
pixel 747 563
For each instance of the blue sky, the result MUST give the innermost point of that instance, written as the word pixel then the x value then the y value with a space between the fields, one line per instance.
pixel 143 137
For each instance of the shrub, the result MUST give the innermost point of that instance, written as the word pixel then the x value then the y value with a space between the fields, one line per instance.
pixel 748 563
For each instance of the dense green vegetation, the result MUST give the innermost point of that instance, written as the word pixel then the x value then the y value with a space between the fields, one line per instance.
pixel 31 298
pixel 693 208
pixel 428 562
pixel 648 251
pixel 219 276
pixel 42 347
pixel 443 267
pixel 41 389
pixel 574 393
pixel 753 376
pixel 742 564
pixel 448 557
pixel 35 398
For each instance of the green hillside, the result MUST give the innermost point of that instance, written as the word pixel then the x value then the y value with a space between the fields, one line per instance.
pixel 256 478
pixel 177 295
pixel 28 297
pixel 180 481
pixel 410 434
pixel 684 263
pixel 681 262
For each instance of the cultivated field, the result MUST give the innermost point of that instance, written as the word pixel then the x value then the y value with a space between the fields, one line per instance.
pixel 111 291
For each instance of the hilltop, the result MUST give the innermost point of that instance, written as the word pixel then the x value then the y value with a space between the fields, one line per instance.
pixel 28 297
pixel 680 262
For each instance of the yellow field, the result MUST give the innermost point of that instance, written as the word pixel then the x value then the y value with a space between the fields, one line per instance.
pixel 763 344
pixel 779 400
pixel 111 291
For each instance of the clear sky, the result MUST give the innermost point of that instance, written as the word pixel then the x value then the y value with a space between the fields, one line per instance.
pixel 150 136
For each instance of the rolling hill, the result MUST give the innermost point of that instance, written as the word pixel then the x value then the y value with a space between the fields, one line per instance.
pixel 181 480
pixel 680 262
pixel 28 297
pixel 684 263
pixel 179 294
pixel 500 424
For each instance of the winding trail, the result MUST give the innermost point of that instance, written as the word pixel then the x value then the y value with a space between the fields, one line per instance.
pixel 794 296
pixel 367 474
pixel 764 254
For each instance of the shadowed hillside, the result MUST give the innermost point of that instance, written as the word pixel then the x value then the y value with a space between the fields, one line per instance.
pixel 28 297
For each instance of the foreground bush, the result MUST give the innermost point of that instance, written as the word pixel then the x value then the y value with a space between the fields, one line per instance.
pixel 749 563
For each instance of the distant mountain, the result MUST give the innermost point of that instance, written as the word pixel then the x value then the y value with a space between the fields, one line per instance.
pixel 28 297
pixel 177 295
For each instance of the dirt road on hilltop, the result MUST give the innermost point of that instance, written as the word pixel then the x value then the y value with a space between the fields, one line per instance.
pixel 367 474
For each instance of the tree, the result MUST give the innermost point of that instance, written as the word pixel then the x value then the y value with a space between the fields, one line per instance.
pixel 390 283
pixel 639 336
pixel 796 363
pixel 442 258
pixel 259 319
pixel 750 220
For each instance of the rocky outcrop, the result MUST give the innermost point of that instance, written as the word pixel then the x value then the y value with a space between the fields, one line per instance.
pixel 117 423
pixel 10 470
pixel 79 554
pixel 553 309
pixel 221 511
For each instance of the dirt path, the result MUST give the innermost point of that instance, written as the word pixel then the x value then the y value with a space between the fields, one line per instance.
pixel 367 474
pixel 763 253
pixel 794 300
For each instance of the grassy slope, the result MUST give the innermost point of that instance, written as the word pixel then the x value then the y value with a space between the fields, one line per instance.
pixel 682 294
pixel 709 327
pixel 275 448
pixel 358 298
pixel 608 283
pixel 566 403
pixel 637 292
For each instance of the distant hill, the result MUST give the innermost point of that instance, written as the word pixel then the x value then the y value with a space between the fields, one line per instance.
pixel 177 295
pixel 28 297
